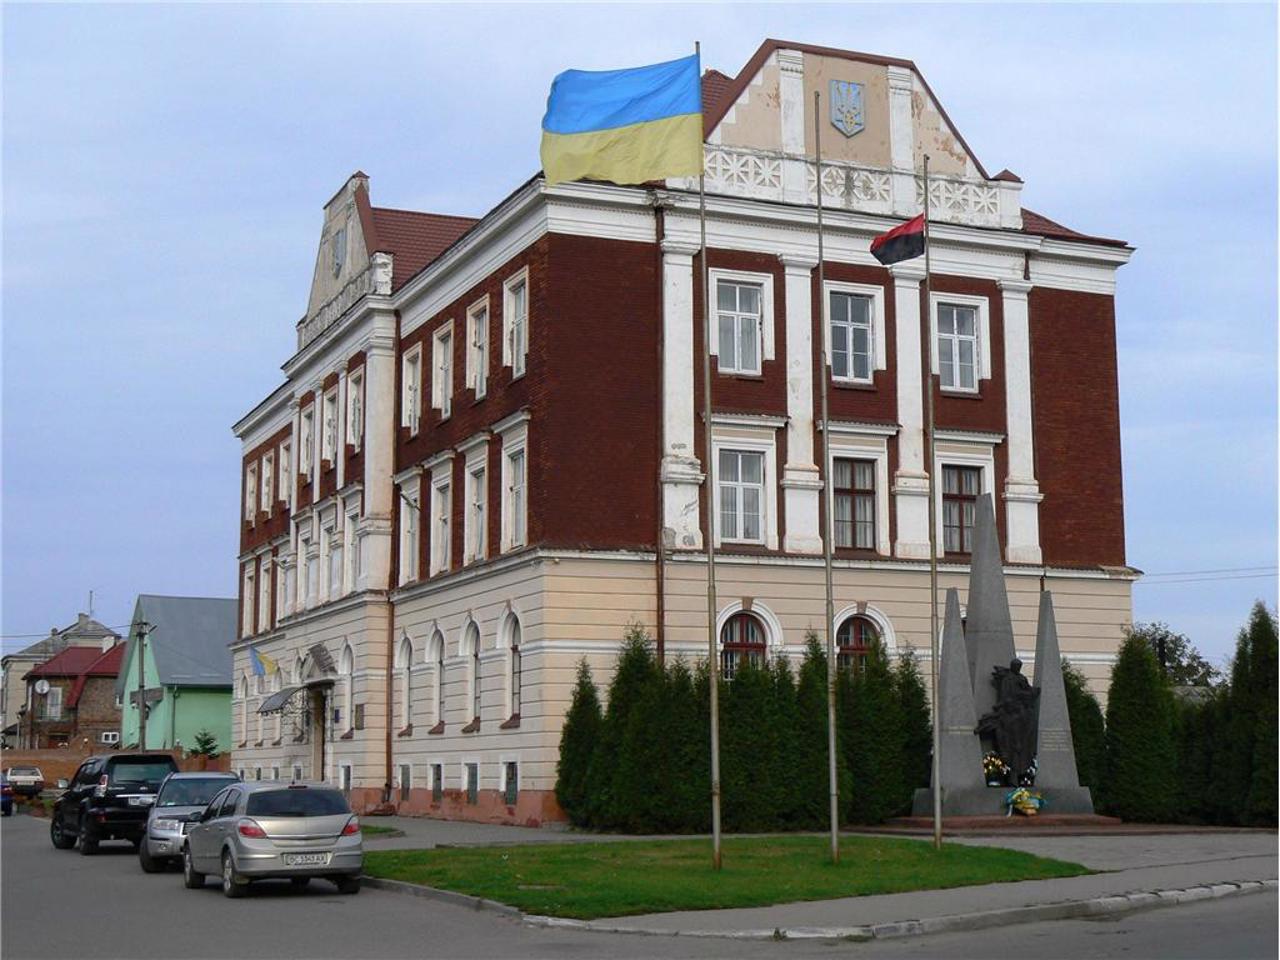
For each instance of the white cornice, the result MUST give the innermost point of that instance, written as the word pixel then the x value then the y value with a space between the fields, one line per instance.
pixel 509 423
pixel 748 420
pixel 266 418
pixel 840 428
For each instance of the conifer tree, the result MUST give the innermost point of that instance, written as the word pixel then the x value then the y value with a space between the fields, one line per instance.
pixel 917 726
pixel 634 673
pixel 748 741
pixel 1088 729
pixel 813 781
pixel 577 741
pixel 874 738
pixel 1141 760
pixel 786 746
pixel 1234 751
pixel 1261 809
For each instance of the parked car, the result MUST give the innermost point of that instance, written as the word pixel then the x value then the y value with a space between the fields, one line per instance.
pixel 6 796
pixel 26 781
pixel 108 799
pixel 180 801
pixel 266 829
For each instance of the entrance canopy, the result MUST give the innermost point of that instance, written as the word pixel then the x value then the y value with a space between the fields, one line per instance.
pixel 277 701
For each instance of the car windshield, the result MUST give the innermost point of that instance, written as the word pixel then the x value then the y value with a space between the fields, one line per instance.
pixel 140 771
pixel 296 803
pixel 25 771
pixel 195 792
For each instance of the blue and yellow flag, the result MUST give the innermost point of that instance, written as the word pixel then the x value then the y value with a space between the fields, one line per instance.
pixel 625 126
pixel 262 664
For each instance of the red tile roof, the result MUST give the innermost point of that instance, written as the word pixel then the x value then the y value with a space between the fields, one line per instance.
pixel 714 86
pixel 71 662
pixel 414 239
pixel 1042 226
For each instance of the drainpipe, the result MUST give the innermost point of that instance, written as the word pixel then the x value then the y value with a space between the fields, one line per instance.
pixel 660 205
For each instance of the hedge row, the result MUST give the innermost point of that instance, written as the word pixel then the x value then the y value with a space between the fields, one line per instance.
pixel 643 764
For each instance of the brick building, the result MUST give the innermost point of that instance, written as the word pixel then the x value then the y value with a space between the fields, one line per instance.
pixel 72 700
pixel 487 458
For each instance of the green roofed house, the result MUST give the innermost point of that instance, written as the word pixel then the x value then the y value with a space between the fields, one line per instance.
pixel 187 671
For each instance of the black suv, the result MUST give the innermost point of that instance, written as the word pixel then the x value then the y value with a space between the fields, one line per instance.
pixel 109 799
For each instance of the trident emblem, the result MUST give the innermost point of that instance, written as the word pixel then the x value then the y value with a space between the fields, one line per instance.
pixel 846 107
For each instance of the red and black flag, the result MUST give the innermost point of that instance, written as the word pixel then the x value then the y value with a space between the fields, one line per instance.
pixel 900 243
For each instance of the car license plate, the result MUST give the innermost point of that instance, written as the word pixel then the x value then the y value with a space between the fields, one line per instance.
pixel 306 859
pixel 141 801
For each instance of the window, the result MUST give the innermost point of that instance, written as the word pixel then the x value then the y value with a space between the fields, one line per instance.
pixel 351 571
pixel 411 390
pixel 855 639
pixel 297 772
pixel 244 709
pixel 441 532
pixel 264 594
pixel 511 787
pixel 251 493
pixel 516 500
pixel 406 681
pixel 268 482
pixel 275 773
pixel 515 324
pixel 355 410
pixel 478 348
pixel 514 635
pixel 405 781
pixel 473 675
pixel 741 639
pixel 475 528
pixel 334 540
pixel 960 489
pixel 329 439
pixel 473 782
pixel 958 346
pixel 739 319
pixel 344 777
pixel 852 337
pixel 52 704
pixel 286 472
pixel 437 782
pixel 437 681
pixel 442 365
pixel 257 773
pixel 308 448
pixel 247 596
pixel 408 538
pixel 741 483
pixel 349 688
pixel 854 488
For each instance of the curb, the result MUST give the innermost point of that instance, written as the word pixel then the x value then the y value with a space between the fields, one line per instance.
pixel 445 896
pixel 1036 913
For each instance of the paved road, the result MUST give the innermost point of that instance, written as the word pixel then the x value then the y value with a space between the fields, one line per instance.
pixel 56 904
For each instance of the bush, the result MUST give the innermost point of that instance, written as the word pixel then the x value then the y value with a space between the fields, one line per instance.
pixel 813 777
pixel 1140 779
pixel 874 742
pixel 1261 804
pixel 1088 729
pixel 577 741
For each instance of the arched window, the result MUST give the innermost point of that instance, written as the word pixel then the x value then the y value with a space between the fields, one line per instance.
pixel 277 682
pixel 437 681
pixel 348 670
pixel 741 639
pixel 405 665
pixel 514 666
pixel 855 639
pixel 472 645
pixel 244 708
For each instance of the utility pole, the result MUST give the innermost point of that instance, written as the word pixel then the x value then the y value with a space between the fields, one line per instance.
pixel 144 628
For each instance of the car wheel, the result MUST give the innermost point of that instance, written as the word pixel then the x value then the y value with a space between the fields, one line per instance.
pixel 58 834
pixel 299 883
pixel 191 878
pixel 88 843
pixel 347 884
pixel 232 885
pixel 148 863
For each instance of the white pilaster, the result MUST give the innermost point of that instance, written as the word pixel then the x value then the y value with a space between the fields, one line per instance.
pixel 681 471
pixel 374 533
pixel 795 185
pixel 902 138
pixel 801 480
pixel 340 432
pixel 911 481
pixel 295 444
pixel 1021 490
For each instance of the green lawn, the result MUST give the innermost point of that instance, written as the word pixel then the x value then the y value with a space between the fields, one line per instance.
pixel 590 880
pixel 372 831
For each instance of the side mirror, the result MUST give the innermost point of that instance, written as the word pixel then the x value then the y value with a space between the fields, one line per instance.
pixel 62 783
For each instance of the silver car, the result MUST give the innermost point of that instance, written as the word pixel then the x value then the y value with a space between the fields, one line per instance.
pixel 267 829
pixel 180 801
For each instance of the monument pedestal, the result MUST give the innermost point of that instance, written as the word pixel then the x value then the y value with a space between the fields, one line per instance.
pixel 989 802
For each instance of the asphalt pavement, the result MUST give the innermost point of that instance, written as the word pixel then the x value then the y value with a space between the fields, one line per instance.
pixel 57 904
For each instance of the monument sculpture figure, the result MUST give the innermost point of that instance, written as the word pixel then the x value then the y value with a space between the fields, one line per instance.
pixel 1011 725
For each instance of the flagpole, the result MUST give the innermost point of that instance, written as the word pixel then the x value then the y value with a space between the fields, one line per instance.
pixel 713 660
pixel 828 528
pixel 933 529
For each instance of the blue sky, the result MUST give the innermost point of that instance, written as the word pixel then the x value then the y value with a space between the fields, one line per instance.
pixel 164 169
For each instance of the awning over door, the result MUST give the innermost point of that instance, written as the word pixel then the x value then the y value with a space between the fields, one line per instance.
pixel 277 700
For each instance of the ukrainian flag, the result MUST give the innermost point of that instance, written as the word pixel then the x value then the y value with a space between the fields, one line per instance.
pixel 625 126
pixel 262 664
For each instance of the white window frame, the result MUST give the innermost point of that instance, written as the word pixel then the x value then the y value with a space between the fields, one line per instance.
pixel 251 493
pixel 477 371
pixel 515 354
pixel 850 442
pixel 306 451
pixel 347 670
pixel 765 282
pixel 264 593
pixel 513 640
pixel 437 653
pixel 471 650
pixel 350 544
pixel 441 521
pixel 879 349
pixel 286 473
pixel 475 516
pixel 335 561
pixel 750 439
pixel 442 369
pixel 741 486
pixel 411 389
pixel 404 680
pixel 982 329
pixel 249 591
pixel 409 531
pixel 52 707
pixel 267 484
pixel 355 408
pixel 515 442
pixel 329 438
pixel 962 449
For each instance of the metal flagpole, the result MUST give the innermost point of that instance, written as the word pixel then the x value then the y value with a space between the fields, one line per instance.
pixel 713 661
pixel 933 529
pixel 828 528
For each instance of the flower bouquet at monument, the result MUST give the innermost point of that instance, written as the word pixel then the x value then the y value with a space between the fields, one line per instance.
pixel 994 769
pixel 1023 801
